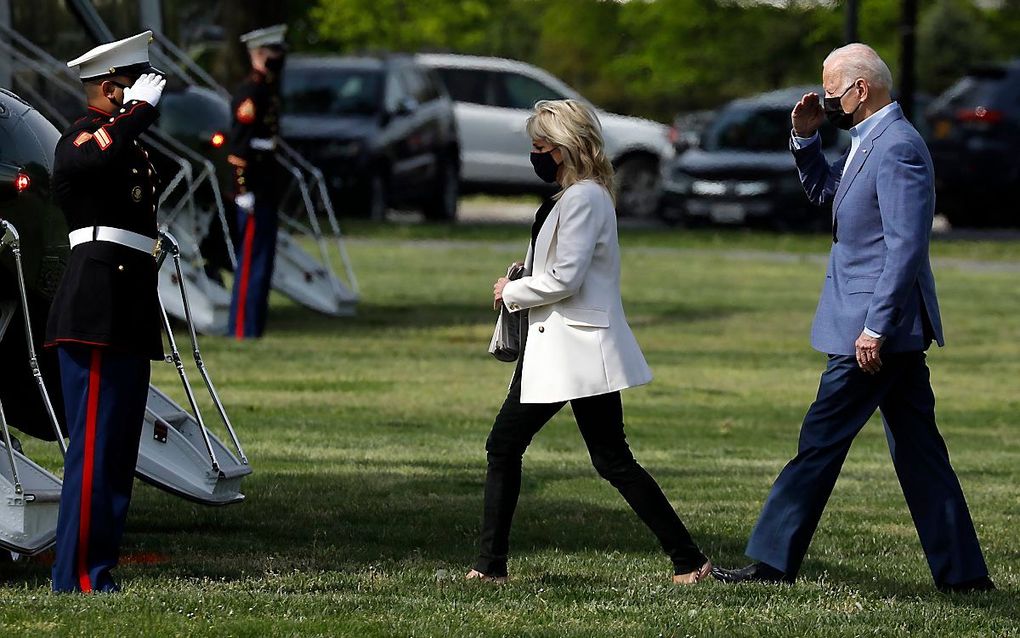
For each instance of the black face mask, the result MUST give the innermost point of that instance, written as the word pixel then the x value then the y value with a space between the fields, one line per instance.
pixel 274 65
pixel 545 166
pixel 835 113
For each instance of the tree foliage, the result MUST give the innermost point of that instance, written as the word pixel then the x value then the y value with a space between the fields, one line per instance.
pixel 657 57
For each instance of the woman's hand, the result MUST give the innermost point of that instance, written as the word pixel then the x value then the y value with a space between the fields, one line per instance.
pixel 497 292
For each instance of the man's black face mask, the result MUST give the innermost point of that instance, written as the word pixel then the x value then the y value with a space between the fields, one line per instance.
pixel 834 110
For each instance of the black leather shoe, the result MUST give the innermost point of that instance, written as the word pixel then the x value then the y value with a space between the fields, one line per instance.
pixel 753 573
pixel 969 586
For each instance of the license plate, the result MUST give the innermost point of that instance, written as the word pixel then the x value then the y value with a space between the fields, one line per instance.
pixel 727 213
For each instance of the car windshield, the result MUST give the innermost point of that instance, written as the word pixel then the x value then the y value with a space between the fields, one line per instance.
pixel 748 128
pixel 332 91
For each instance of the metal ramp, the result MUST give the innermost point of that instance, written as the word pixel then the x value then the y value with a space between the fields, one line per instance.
pixel 307 279
pixel 29 500
pixel 29 494
pixel 177 452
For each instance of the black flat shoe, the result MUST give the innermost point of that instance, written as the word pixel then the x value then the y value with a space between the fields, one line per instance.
pixel 968 586
pixel 753 573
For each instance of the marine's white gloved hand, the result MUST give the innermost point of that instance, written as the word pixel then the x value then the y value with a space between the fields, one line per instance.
pixel 246 201
pixel 147 88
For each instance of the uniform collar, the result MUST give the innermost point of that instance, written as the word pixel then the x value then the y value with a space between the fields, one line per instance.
pixel 99 111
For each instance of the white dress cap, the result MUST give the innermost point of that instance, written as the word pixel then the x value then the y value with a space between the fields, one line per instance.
pixel 267 37
pixel 113 57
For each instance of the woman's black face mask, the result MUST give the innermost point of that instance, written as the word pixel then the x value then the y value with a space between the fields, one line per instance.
pixel 834 110
pixel 545 166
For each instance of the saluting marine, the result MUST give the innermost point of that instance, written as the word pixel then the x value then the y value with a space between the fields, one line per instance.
pixel 105 320
pixel 252 145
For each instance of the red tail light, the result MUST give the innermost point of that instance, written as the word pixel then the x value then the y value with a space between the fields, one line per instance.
pixel 22 182
pixel 217 139
pixel 979 114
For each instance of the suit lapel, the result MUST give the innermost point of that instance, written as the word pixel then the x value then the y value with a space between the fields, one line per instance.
pixel 861 156
pixel 543 243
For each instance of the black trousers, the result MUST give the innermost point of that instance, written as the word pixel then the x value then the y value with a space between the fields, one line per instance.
pixel 600 420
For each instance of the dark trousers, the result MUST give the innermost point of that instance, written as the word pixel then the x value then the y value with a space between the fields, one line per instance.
pixel 600 420
pixel 847 397
pixel 104 400
pixel 256 253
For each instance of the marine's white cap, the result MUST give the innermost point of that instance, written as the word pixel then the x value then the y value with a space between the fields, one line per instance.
pixel 127 56
pixel 267 37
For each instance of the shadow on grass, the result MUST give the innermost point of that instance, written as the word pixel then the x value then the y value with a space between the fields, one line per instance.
pixel 359 518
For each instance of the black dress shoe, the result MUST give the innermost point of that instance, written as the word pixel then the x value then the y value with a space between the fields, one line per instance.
pixel 753 573
pixel 969 586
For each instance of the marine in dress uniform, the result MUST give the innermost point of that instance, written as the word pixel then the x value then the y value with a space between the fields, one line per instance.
pixel 105 318
pixel 252 145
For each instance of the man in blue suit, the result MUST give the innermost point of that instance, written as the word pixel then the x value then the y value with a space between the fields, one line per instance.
pixel 877 315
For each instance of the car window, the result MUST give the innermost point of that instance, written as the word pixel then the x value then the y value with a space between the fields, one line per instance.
pixel 418 85
pixel 978 89
pixel 516 91
pixel 753 129
pixel 468 85
pixel 331 91
pixel 188 114
pixel 396 92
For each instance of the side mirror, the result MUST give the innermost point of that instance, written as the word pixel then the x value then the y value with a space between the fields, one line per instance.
pixel 406 106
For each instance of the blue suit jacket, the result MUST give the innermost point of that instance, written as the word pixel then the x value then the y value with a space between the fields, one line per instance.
pixel 879 274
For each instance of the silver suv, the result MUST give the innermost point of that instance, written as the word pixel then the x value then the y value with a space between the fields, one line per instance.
pixel 492 100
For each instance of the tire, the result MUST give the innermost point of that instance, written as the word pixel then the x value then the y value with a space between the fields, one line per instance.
pixel 442 206
pixel 638 188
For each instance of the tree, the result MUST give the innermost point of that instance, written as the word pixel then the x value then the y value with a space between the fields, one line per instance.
pixel 951 39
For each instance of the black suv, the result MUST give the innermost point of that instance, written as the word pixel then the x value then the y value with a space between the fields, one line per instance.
pixel 742 170
pixel 975 135
pixel 381 129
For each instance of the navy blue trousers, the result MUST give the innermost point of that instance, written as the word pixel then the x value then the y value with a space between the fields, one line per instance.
pixel 847 397
pixel 256 252
pixel 105 393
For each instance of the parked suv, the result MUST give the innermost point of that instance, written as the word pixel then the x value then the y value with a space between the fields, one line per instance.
pixel 493 98
pixel 381 129
pixel 742 171
pixel 975 134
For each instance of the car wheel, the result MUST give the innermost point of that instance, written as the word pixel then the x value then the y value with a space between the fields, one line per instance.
pixel 637 188
pixel 377 198
pixel 443 204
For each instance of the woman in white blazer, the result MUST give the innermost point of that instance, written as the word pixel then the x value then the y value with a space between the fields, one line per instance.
pixel 576 345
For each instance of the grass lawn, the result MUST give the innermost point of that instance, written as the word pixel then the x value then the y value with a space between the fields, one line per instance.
pixel 367 438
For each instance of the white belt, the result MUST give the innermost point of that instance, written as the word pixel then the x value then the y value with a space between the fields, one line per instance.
pixel 114 235
pixel 263 143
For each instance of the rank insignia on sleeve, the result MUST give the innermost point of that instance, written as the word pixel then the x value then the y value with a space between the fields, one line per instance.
pixel 83 137
pixel 246 111
pixel 103 138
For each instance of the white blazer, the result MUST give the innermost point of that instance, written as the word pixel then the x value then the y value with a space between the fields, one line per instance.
pixel 579 343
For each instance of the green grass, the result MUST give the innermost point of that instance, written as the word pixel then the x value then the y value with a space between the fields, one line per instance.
pixel 367 438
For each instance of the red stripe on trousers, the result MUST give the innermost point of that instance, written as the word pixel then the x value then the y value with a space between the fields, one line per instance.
pixel 242 293
pixel 85 519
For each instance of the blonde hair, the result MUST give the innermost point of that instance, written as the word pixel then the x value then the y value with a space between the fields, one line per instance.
pixel 573 127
